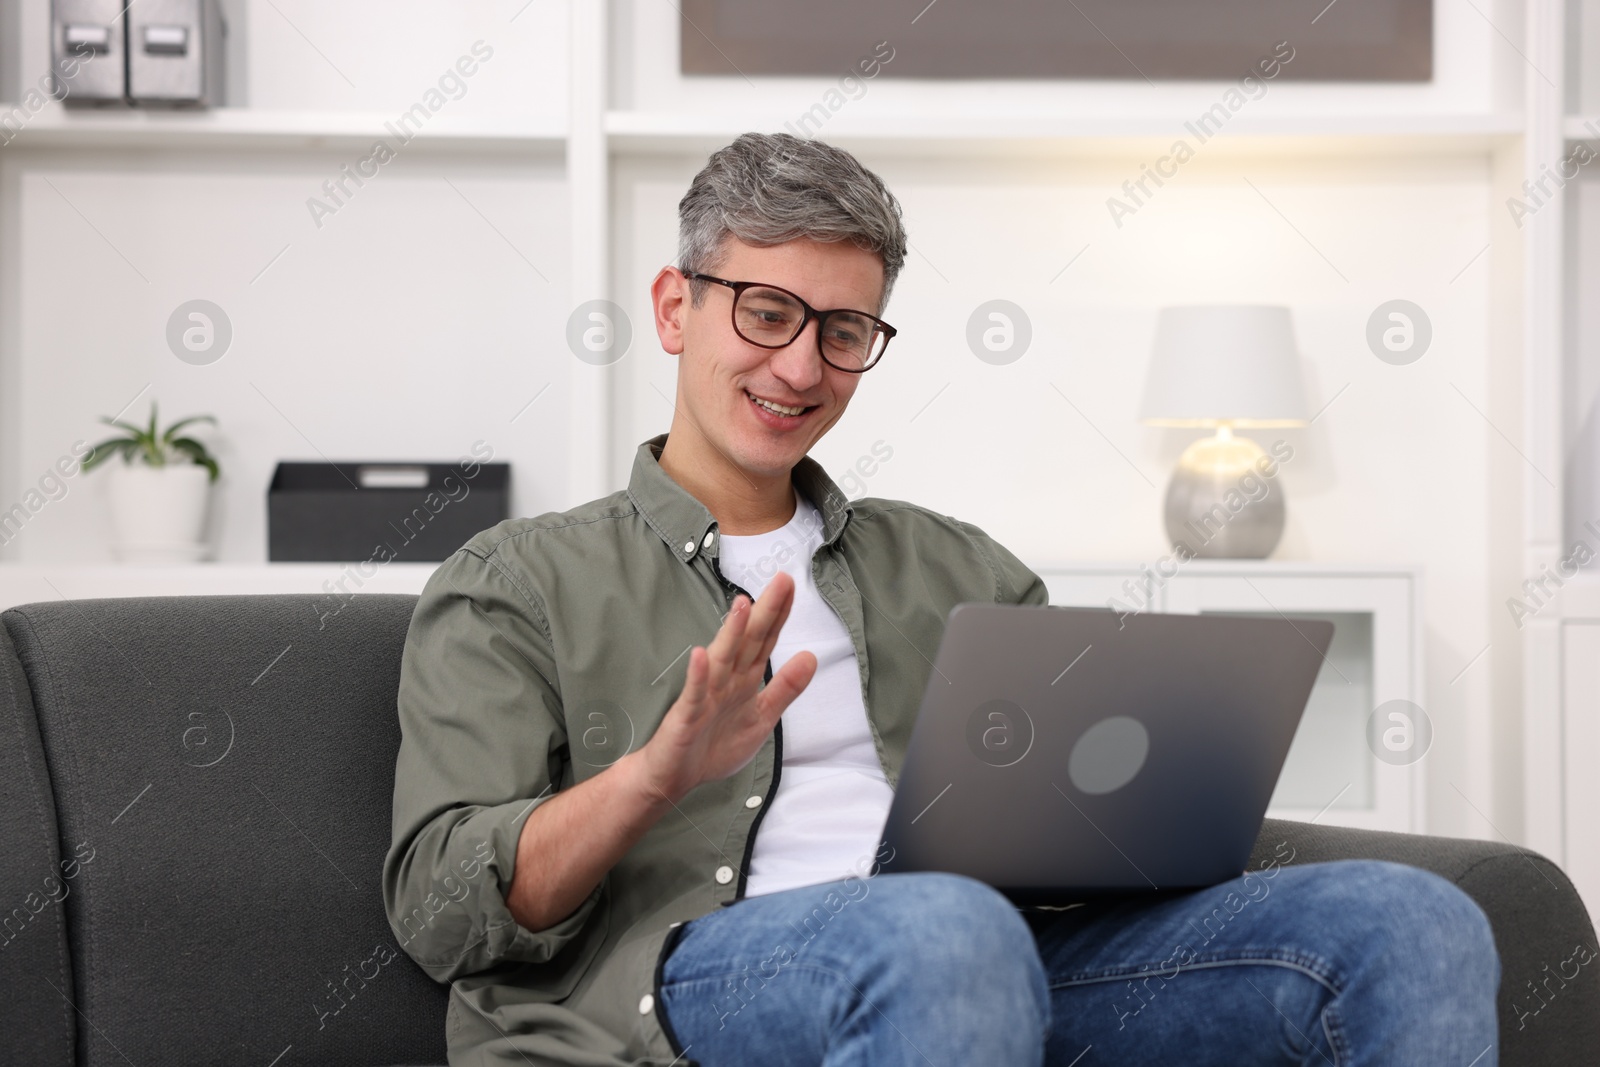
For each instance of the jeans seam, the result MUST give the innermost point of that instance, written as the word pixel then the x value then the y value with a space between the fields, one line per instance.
pixel 1309 966
pixel 667 983
pixel 1334 1031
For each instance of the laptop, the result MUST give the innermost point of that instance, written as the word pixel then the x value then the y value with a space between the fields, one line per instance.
pixel 1065 753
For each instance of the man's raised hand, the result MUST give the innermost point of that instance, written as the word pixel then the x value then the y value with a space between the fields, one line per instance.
pixel 724 714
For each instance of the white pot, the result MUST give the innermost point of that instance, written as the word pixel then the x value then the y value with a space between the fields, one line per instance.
pixel 158 513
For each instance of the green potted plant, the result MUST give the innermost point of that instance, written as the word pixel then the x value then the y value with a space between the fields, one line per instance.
pixel 159 491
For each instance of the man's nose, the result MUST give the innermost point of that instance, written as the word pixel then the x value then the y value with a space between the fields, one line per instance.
pixel 799 363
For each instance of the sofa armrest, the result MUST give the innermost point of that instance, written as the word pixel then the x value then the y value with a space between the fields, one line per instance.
pixel 37 1024
pixel 1547 1018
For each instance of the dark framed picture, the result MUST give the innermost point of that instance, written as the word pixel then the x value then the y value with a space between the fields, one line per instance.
pixel 1341 40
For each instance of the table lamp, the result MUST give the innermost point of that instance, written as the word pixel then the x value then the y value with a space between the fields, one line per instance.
pixel 1224 366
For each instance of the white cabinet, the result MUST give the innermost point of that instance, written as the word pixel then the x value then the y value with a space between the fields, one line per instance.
pixel 1334 773
pixel 1561 747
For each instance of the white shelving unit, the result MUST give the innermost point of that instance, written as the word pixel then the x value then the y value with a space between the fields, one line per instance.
pixel 1561 688
pixel 611 130
pixel 595 134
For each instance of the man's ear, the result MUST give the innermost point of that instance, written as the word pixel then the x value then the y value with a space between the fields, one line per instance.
pixel 669 298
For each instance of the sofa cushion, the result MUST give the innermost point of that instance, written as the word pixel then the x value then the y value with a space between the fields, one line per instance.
pixel 230 763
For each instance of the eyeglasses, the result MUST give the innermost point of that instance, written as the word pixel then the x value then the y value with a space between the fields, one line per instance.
pixel 770 317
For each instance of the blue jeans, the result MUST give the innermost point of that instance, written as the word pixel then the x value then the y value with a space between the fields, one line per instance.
pixel 1340 964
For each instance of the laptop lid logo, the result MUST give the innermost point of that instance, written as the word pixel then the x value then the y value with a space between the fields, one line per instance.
pixel 1109 755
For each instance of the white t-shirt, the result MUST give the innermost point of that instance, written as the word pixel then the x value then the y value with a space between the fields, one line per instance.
pixel 828 811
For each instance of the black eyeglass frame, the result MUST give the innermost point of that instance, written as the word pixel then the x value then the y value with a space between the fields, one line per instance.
pixel 738 288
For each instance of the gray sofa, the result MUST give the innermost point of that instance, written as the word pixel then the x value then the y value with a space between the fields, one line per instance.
pixel 196 795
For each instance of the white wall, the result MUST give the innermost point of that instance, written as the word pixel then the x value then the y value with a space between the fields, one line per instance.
pixel 1393 471
pixel 379 55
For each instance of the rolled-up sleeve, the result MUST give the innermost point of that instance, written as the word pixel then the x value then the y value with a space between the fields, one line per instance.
pixel 482 744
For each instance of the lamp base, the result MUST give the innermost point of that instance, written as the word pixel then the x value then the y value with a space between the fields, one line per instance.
pixel 1219 505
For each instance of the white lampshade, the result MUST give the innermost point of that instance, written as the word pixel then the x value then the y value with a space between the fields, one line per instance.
pixel 1224 363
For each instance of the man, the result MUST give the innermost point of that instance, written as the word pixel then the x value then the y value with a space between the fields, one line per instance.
pixel 636 814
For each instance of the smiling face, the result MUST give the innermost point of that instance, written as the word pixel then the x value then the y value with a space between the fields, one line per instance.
pixel 720 428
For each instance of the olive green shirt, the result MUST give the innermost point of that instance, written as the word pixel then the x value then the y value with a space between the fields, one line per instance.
pixel 545 649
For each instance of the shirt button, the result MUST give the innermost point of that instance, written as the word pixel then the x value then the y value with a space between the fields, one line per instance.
pixel 753 802
pixel 710 535
pixel 688 548
pixel 724 875
pixel 646 1002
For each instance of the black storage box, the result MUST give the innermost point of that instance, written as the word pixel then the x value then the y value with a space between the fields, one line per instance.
pixel 353 512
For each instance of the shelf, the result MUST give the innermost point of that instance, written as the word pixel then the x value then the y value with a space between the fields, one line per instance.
pixel 1248 567
pixel 59 127
pixel 647 132
pixel 22 583
pixel 1414 134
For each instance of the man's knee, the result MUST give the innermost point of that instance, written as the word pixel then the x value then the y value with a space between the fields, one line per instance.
pixel 952 929
pixel 1441 911
pixel 955 905
pixel 1420 920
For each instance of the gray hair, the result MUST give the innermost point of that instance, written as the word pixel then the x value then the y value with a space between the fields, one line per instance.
pixel 765 189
